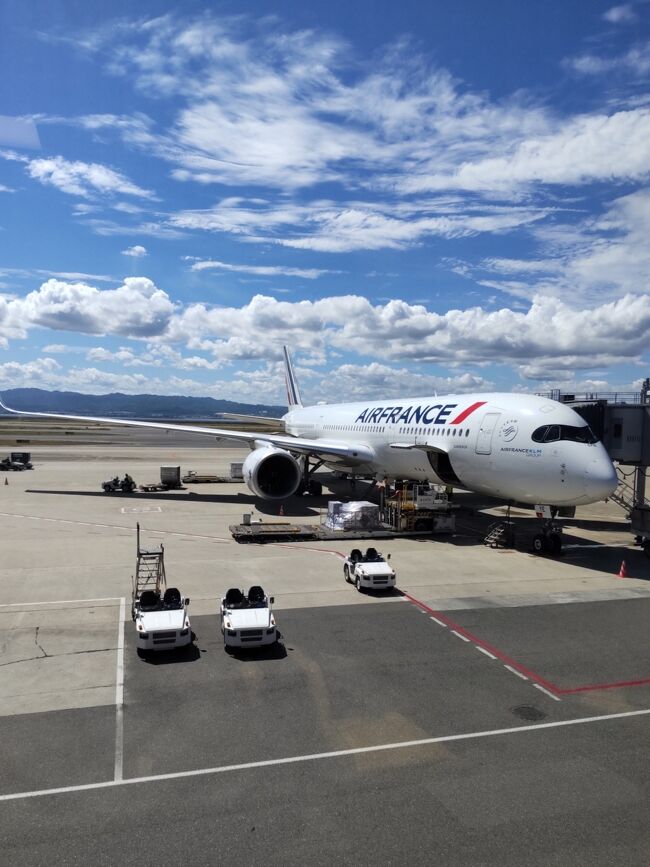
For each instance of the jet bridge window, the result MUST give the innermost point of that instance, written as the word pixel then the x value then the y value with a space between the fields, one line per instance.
pixel 553 432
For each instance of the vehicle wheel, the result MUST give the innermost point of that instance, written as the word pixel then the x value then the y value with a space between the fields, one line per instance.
pixel 539 544
pixel 357 584
pixel 646 549
pixel 346 573
pixel 555 544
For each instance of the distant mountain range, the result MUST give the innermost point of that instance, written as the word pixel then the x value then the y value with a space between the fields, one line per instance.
pixel 130 405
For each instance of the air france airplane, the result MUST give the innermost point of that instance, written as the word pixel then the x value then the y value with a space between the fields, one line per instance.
pixel 515 447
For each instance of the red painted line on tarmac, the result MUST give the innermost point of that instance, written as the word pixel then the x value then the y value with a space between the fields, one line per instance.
pixel 644 681
pixel 309 548
pixel 558 690
pixel 447 621
pixel 480 643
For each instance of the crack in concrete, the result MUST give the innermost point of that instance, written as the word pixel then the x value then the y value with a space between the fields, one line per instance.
pixel 56 655
pixel 38 645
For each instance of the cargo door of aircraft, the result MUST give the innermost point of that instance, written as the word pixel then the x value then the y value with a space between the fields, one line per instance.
pixel 484 439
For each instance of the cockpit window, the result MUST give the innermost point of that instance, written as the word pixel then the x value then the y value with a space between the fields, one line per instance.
pixel 551 433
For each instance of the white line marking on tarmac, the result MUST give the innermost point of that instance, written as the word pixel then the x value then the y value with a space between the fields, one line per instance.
pixel 290 760
pixel 119 695
pixel 458 635
pixel 112 526
pixel 486 652
pixel 61 602
pixel 547 692
pixel 514 671
pixel 439 622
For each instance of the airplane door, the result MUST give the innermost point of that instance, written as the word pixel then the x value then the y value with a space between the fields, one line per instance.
pixel 484 439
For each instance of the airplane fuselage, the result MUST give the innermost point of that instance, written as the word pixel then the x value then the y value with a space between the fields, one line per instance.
pixel 519 447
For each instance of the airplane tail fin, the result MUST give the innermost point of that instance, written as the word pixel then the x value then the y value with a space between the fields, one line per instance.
pixel 293 392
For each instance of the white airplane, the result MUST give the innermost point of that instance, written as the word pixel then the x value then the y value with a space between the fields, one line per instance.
pixel 515 447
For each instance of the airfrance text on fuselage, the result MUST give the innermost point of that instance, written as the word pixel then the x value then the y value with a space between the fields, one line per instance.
pixel 438 413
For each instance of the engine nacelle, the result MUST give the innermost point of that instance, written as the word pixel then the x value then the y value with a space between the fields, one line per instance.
pixel 272 474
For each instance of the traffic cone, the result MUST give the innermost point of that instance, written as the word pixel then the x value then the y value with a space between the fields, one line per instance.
pixel 622 572
pixel 281 512
pixel 6 481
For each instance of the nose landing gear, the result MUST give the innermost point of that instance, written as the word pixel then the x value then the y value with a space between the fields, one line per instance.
pixel 549 541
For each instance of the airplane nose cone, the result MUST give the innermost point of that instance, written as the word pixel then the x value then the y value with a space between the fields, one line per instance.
pixel 600 479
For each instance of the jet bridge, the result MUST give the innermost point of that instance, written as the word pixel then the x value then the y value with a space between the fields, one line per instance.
pixel 622 421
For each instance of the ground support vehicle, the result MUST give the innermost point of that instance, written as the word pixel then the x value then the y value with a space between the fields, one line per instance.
pixel 369 571
pixel 125 485
pixel 159 612
pixel 17 461
pixel 247 620
pixel 418 509
pixel 170 480
pixel 6 464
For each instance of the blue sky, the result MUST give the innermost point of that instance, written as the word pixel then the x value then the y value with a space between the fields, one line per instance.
pixel 415 197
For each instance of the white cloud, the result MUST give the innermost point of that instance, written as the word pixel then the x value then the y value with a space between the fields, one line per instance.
pixel 399 331
pixel 261 270
pixel 136 252
pixel 600 258
pixel 623 14
pixel 326 226
pixel 38 373
pixel 28 273
pixel 288 110
pixel 4 189
pixel 74 275
pixel 580 151
pixel 361 381
pixel 137 308
pixel 539 341
pixel 151 229
pixel 57 348
pixel 82 179
pixel 635 61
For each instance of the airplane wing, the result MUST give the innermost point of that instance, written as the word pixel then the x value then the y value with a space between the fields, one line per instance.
pixel 258 419
pixel 352 452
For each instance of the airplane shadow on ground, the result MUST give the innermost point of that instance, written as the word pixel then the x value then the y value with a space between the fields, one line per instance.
pixel 578 551
pixel 292 506
pixel 471 524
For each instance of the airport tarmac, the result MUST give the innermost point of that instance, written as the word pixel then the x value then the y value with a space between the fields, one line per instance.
pixel 493 711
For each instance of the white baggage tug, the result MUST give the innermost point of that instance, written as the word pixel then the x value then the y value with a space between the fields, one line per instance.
pixel 247 620
pixel 369 571
pixel 159 612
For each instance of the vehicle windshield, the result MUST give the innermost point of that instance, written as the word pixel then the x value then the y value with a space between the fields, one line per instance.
pixel 551 433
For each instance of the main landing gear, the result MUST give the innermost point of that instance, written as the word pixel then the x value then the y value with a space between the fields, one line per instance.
pixel 549 541
pixel 310 486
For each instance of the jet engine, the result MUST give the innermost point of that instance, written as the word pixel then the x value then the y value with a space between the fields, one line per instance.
pixel 271 473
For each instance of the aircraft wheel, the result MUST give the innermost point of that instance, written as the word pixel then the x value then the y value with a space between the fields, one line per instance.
pixel 555 544
pixel 539 544
pixel 314 488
